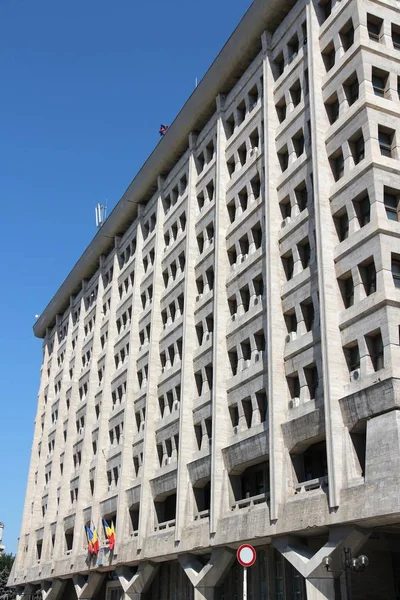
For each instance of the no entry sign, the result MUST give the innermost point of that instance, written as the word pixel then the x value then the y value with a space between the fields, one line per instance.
pixel 246 555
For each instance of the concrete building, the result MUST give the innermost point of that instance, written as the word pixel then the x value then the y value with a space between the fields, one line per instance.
pixel 222 364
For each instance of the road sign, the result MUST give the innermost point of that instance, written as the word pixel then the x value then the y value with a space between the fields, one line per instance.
pixel 246 555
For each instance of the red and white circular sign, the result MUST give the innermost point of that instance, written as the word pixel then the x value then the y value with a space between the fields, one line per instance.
pixel 246 555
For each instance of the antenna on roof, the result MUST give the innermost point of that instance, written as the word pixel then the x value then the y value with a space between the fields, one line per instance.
pixel 101 214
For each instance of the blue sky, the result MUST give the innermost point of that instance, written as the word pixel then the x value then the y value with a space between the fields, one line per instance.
pixel 85 85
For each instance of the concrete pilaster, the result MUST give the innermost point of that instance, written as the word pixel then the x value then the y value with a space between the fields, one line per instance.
pixel 276 328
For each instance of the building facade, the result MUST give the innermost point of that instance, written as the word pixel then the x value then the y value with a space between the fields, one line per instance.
pixel 222 364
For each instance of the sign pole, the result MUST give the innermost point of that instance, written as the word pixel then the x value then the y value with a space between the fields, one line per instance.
pixel 244 583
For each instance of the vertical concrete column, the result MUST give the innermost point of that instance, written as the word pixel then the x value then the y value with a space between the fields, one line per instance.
pixel 276 328
pixel 99 463
pixel 187 440
pixel 132 389
pixel 320 589
pixel 220 410
pixel 256 415
pixel 333 363
pixel 150 456
pixel 297 264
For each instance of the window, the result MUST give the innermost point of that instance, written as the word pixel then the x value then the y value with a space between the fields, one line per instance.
pixel 283 156
pixel 312 379
pixel 362 207
pixel 291 321
pixel 307 309
pixel 374 26
pixel 166 509
pixel 325 9
pixel 368 276
pixel 69 539
pixel 391 202
pixel 332 108
pixel 293 385
pixel 375 349
pixel 380 81
pixel 295 93
pixel 311 464
pixel 352 356
pixel 202 497
pixel 386 141
pixel 281 109
pixel 285 207
pixel 298 143
pixel 350 87
pixel 396 270
pixel 347 35
pixel 293 48
pixel 396 36
pixel 346 286
pixel 337 164
pixel 304 252
pixel 301 196
pixel 287 261
pixel 357 147
pixel 279 65
pixel 328 56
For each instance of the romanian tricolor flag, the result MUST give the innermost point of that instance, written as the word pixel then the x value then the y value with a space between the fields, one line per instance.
pixel 95 541
pixel 110 533
pixel 92 540
pixel 89 537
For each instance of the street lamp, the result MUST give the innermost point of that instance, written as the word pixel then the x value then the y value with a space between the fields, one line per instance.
pixel 350 565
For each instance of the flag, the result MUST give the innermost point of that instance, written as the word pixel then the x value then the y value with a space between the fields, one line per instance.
pixel 163 129
pixel 89 537
pixel 110 533
pixel 95 541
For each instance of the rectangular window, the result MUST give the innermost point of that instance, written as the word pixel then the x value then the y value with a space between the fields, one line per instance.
pixel 386 140
pixel 396 36
pixel 379 81
pixel 391 202
pixel 375 349
pixel 374 26
pixel 396 270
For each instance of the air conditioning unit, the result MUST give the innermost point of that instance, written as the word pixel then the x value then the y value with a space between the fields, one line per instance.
pixel 285 221
pixel 199 297
pixel 294 402
pixel 234 317
pixel 235 429
pixel 254 151
pixel 175 405
pixel 245 257
pixel 142 426
pixel 355 375
pixel 81 430
pixel 291 337
pixel 258 356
